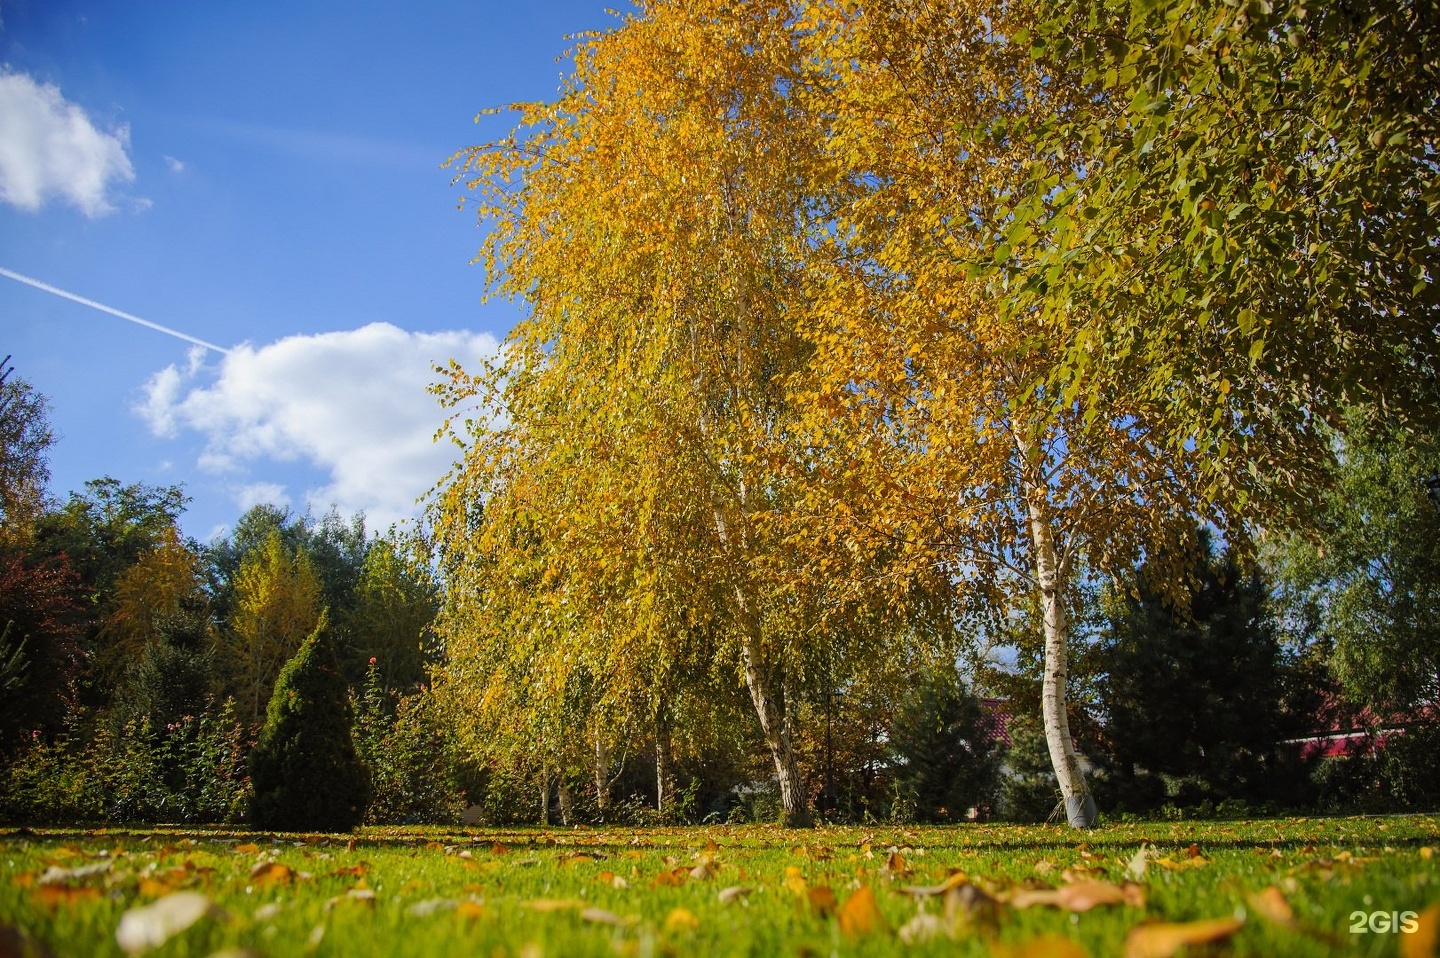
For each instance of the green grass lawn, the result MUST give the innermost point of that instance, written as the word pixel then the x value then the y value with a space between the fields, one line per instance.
pixel 1275 887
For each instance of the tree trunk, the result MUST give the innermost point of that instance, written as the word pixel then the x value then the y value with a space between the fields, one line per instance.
pixel 567 805
pixel 1079 803
pixel 775 726
pixel 664 765
pixel 602 782
pixel 544 798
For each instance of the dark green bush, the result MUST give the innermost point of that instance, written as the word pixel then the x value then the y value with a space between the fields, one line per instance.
pixel 305 770
pixel 945 760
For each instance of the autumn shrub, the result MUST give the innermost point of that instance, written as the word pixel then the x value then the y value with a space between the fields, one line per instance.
pixel 305 771
pixel 409 754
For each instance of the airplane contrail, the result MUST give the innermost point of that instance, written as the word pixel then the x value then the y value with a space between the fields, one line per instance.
pixel 111 310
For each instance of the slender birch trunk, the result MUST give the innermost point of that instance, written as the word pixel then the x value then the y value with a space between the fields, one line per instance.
pixel 544 797
pixel 775 726
pixel 664 764
pixel 1051 575
pixel 602 780
pixel 567 803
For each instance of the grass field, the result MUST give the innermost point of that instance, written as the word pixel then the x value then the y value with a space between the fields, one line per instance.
pixel 1274 887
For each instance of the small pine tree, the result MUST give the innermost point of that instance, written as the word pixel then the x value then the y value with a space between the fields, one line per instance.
pixel 945 748
pixel 305 771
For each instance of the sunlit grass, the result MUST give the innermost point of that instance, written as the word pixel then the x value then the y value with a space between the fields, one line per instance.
pixel 657 891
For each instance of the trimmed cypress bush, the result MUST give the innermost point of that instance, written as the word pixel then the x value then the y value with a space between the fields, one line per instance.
pixel 305 772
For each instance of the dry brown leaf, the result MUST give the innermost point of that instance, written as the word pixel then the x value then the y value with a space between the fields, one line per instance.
pixel 1164 939
pixel 896 865
pixel 680 920
pixel 860 915
pixel 1424 941
pixel 469 910
pixel 704 871
pixel 499 848
pixel 249 848
pixel 351 871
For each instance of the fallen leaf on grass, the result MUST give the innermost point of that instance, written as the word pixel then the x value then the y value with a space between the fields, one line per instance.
pixel 795 880
pixel 52 895
pixel 955 880
pixel 1164 939
pixel 600 916
pixel 272 873
pixel 675 876
pixel 896 865
pixel 705 870
pixel 1271 905
pixel 356 871
pixel 363 896
pixel 922 928
pixel 1183 864
pixel 680 920
pixel 822 900
pixel 249 848
pixel 469 910
pixel 613 880
pixel 1424 941
pixel 728 896
pixel 544 905
pixel 576 858
pixel 860 915
pixel 1081 896
pixel 55 875
pixel 150 926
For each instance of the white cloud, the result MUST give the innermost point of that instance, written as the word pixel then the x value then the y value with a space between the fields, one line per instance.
pixel 50 148
pixel 261 493
pixel 352 404
pixel 176 166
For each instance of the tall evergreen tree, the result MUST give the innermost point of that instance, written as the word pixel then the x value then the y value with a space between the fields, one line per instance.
pixel 948 755
pixel 305 770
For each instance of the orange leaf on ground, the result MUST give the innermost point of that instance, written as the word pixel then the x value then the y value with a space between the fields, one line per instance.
pixel 675 876
pixel 821 899
pixel 1163 939
pixel 1424 941
pixel 249 848
pixel 860 915
pixel 272 873
pixel 1271 905
pixel 52 895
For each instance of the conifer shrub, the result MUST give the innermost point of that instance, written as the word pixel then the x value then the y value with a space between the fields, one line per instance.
pixel 305 771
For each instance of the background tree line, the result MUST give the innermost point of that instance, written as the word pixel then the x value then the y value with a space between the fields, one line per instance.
pixel 879 356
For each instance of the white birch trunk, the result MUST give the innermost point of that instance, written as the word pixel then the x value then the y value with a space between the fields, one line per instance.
pixel 1051 574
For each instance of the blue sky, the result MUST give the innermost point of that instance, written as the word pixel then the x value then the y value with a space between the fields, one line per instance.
pixel 264 176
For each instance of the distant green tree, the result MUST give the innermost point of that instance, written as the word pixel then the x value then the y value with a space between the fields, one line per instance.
pixel 305 770
pixel 25 441
pixel 1198 694
pixel 946 754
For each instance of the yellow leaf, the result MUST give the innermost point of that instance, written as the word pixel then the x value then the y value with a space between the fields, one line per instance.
pixel 1046 946
pixel 860 915
pixel 680 920
pixel 1162 939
